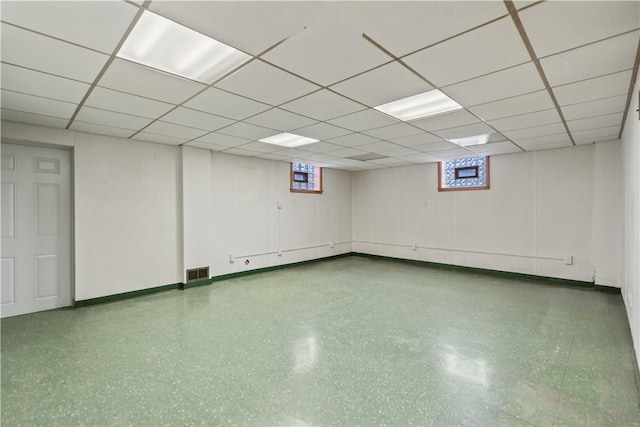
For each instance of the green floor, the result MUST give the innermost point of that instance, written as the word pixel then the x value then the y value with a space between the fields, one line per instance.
pixel 352 341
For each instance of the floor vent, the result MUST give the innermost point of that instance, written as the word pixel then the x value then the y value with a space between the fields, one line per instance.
pixel 197 274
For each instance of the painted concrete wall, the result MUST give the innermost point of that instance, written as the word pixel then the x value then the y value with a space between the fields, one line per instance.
pixel 145 212
pixel 240 214
pixel 631 231
pixel 540 209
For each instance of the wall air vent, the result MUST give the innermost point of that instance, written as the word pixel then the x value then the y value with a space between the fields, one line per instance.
pixel 197 274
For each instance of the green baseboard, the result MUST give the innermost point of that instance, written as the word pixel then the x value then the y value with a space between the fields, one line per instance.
pixel 497 273
pixel 450 267
pixel 276 267
pixel 125 295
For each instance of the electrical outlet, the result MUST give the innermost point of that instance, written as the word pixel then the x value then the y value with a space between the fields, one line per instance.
pixel 414 247
pixel 331 245
pixel 279 205
pixel 568 260
pixel 279 252
pixel 232 258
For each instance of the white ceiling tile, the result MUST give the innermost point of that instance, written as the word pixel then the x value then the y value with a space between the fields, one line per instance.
pixel 420 139
pixel 502 84
pixel 226 104
pixel 35 104
pixel 111 118
pixel 353 140
pixel 589 90
pixel 96 24
pixel 223 140
pixel 445 121
pixel 561 138
pixel 241 152
pixel 249 26
pixel 465 131
pixel 280 120
pixel 206 146
pixel 30 50
pixel 384 84
pixel 35 119
pixel 529 103
pixel 274 157
pixel 323 105
pixel 322 131
pixel 455 153
pixel 404 27
pixel 293 153
pixel 378 147
pixel 605 57
pixel 173 130
pixel 504 147
pixel 552 129
pixel 100 129
pixel 322 147
pixel 401 151
pixel 471 54
pixel 600 107
pixel 329 40
pixel 20 79
pixel 607 138
pixel 554 26
pixel 390 162
pixel 395 131
pixel 247 131
pixel 554 145
pixel 363 120
pixel 347 152
pixel 267 84
pixel 127 76
pixel 108 99
pixel 596 133
pixel 321 157
pixel 196 119
pixel 595 122
pixel 436 146
pixel 521 121
pixel 160 139
pixel 420 158
pixel 260 147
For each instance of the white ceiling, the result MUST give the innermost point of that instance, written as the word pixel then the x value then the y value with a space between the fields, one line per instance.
pixel 318 68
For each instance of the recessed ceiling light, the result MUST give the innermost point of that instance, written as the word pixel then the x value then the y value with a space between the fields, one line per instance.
pixel 471 140
pixel 422 105
pixel 160 43
pixel 288 140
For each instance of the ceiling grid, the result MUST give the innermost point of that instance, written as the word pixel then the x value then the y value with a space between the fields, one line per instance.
pixel 528 75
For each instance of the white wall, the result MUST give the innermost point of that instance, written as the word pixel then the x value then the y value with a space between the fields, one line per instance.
pixel 126 203
pixel 144 213
pixel 540 205
pixel 631 239
pixel 241 218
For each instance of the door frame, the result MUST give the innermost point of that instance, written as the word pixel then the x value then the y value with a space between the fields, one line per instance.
pixel 72 207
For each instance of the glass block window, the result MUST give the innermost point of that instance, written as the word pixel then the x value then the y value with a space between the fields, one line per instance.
pixel 305 178
pixel 470 173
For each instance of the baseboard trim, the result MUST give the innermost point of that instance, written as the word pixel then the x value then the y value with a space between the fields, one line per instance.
pixel 450 267
pixel 276 267
pixel 125 295
pixel 496 273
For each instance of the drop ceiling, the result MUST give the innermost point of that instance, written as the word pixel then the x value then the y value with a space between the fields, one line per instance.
pixel 532 75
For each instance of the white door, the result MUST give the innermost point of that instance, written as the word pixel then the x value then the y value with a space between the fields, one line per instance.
pixel 36 229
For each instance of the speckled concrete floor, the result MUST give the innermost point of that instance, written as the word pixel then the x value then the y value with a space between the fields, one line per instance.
pixel 351 341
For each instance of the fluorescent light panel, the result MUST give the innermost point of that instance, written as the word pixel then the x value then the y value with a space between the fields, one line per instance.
pixel 471 140
pixel 160 43
pixel 418 106
pixel 288 140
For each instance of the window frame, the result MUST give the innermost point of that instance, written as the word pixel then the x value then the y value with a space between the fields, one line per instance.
pixel 483 187
pixel 317 178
